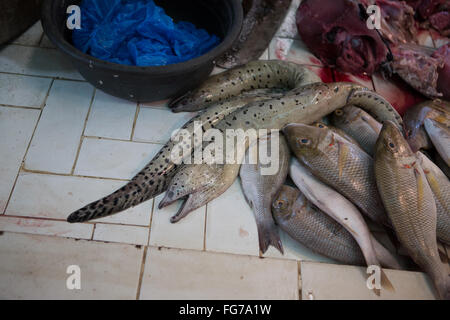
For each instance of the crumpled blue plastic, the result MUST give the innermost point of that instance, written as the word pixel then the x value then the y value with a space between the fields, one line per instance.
pixel 138 32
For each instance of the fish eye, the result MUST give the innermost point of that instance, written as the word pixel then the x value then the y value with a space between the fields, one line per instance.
pixel 391 145
pixel 303 141
pixel 319 125
pixel 339 112
pixel 279 203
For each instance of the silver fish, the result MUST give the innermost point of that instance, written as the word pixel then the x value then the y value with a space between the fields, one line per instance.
pixel 358 124
pixel 440 186
pixel 409 202
pixel 336 130
pixel 260 190
pixel 313 228
pixel 440 136
pixel 342 211
pixel 340 164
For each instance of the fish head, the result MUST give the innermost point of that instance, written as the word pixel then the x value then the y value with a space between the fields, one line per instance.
pixel 304 139
pixel 194 184
pixel 283 204
pixel 392 142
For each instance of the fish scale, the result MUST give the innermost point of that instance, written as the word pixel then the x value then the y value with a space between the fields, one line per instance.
pixel 314 229
pixel 358 124
pixel 440 186
pixel 410 204
pixel 340 164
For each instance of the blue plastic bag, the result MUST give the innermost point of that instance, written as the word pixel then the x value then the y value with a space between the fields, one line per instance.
pixel 137 32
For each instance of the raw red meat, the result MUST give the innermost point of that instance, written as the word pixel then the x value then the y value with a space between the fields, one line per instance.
pixel 336 33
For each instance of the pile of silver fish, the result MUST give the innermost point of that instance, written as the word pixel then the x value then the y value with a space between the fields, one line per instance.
pixel 345 152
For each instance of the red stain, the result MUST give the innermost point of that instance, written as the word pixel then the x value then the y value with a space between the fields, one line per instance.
pixel 326 75
pixel 405 97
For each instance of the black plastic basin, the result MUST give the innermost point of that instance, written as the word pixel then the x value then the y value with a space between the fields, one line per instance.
pixel 220 17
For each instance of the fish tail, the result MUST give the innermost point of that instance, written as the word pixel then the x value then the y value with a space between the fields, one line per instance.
pixel 130 195
pixel 268 236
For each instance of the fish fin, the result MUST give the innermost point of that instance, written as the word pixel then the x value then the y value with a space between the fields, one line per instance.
pixel 268 235
pixel 386 283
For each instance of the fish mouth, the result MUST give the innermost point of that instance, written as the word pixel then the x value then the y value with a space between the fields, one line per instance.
pixel 183 211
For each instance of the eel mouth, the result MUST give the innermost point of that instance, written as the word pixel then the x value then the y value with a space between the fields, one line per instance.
pixel 186 207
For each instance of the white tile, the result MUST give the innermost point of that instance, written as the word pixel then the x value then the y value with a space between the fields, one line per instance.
pixel 184 274
pixel 32 36
pixel 50 196
pixel 35 267
pixel 292 50
pixel 37 61
pixel 188 233
pixel 110 117
pixel 294 250
pixel 122 234
pixel 55 143
pixel 230 224
pixel 24 91
pixel 113 159
pixel 157 125
pixel 335 282
pixel 46 227
pixel 16 128
pixel 288 28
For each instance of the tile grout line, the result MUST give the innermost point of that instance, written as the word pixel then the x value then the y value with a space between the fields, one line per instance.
pixel 93 231
pixel 136 115
pixel 71 175
pixel 28 147
pixel 151 221
pixel 64 220
pixel 42 76
pixel 141 274
pixel 122 140
pixel 82 133
pixel 20 107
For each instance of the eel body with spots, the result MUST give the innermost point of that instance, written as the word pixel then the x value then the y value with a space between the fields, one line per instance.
pixel 154 178
pixel 199 184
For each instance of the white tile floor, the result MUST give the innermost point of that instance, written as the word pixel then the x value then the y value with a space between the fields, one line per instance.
pixel 64 144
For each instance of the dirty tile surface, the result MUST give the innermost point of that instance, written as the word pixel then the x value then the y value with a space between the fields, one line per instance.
pixel 16 129
pixel 208 276
pixel 336 282
pixel 37 268
pixel 64 144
